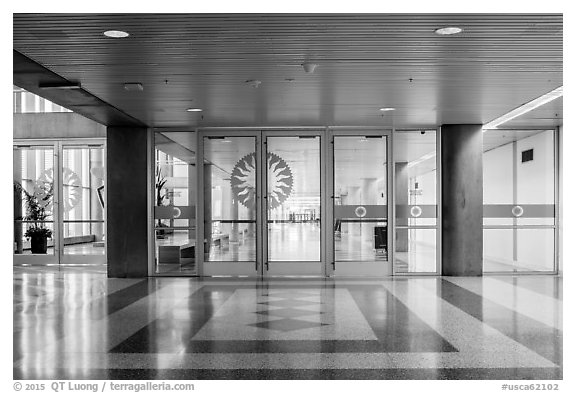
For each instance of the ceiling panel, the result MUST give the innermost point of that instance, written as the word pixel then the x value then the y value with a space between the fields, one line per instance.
pixel 366 61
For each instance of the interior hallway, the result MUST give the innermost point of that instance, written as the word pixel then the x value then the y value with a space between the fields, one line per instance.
pixel 75 323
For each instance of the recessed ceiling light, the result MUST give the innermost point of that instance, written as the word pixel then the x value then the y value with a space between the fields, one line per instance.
pixel 133 86
pixel 116 34
pixel 387 109
pixel 309 67
pixel 254 83
pixel 194 110
pixel 449 30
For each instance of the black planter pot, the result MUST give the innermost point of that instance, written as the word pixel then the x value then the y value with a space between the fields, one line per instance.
pixel 39 244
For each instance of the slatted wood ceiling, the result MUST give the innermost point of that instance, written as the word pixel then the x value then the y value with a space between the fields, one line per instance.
pixel 366 61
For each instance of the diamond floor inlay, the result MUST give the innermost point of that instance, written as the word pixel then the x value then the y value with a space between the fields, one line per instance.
pixel 287 324
pixel 289 303
pixel 288 312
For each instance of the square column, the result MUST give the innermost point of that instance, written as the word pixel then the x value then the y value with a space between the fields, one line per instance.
pixel 462 200
pixel 127 201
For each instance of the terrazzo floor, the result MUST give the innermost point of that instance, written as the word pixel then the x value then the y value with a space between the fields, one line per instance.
pixel 79 324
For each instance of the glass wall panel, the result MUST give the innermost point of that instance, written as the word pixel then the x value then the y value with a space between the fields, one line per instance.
pixel 360 202
pixel 175 201
pixel 416 205
pixel 293 198
pixel 519 250
pixel 33 199
pixel 82 200
pixel 419 256
pixel 519 192
pixel 230 165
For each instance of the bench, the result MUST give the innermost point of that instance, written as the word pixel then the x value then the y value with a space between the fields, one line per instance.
pixel 172 251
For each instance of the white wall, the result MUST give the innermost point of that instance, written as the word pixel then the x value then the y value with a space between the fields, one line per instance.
pixel 534 185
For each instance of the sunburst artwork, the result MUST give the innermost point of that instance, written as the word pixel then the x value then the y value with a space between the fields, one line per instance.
pixel 280 180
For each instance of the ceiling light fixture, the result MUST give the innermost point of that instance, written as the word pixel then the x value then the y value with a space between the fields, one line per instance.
pixel 522 109
pixel 449 30
pixel 133 87
pixel 387 109
pixel 194 110
pixel 254 83
pixel 116 34
pixel 60 86
pixel 309 67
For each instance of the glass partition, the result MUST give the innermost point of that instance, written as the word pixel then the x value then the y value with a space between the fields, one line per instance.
pixel 83 195
pixel 415 191
pixel 360 199
pixel 519 200
pixel 175 202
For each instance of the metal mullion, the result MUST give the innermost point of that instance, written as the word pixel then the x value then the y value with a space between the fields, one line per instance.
pixel 557 196
pixel 439 196
pixel 329 203
pixel 261 205
pixel 391 200
pixel 199 250
pixel 57 203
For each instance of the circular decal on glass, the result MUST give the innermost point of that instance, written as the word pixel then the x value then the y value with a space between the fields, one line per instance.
pixel 416 211
pixel 243 180
pixel 72 188
pixel 517 211
pixel 360 211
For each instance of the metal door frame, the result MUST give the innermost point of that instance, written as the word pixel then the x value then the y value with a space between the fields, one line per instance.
pixel 248 268
pixel 332 132
pixel 308 267
pixel 58 257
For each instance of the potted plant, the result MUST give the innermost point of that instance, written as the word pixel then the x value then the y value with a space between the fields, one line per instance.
pixel 161 195
pixel 37 214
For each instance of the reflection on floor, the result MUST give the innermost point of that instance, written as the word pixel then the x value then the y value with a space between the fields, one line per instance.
pixel 86 326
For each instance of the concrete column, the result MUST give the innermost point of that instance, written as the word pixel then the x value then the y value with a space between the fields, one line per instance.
pixel 462 201
pixel 402 198
pixel 127 201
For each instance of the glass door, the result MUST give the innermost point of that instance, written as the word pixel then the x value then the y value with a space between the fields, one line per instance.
pixel 59 202
pixel 82 203
pixel 35 190
pixel 231 183
pixel 292 204
pixel 361 236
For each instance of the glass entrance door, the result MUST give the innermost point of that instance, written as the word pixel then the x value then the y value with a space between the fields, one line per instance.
pixel 266 198
pixel 261 219
pixel 361 235
pixel 59 202
pixel 231 197
pixel 292 205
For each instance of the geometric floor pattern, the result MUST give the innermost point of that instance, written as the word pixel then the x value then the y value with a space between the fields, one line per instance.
pixel 78 324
